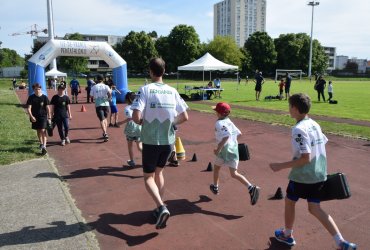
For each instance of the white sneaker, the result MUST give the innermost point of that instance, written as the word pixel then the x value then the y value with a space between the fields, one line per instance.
pixel 67 140
pixel 63 143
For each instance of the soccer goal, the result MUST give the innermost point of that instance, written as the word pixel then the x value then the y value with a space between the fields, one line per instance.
pixel 293 72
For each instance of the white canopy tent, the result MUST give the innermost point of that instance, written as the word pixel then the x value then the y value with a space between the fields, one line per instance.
pixel 54 73
pixel 207 63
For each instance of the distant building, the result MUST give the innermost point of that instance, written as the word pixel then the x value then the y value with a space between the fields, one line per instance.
pixel 94 63
pixel 331 52
pixel 11 71
pixel 239 19
pixel 341 62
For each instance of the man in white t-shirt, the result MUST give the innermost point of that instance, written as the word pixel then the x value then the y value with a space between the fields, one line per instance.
pixel 102 93
pixel 157 108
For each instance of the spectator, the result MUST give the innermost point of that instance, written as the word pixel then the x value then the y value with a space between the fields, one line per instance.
pixel 320 87
pixel 259 82
pixel 75 89
pixel 288 83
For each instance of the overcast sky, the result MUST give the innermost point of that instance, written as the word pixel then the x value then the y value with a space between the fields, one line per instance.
pixel 337 23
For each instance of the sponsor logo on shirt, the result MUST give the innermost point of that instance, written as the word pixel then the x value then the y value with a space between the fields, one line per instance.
pixel 161 92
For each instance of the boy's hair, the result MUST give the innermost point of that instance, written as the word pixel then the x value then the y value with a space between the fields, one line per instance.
pixel 130 96
pixel 157 66
pixel 301 101
pixel 36 86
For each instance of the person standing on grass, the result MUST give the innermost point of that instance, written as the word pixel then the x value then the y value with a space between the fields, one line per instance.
pixel 61 113
pixel 308 171
pixel 259 82
pixel 157 108
pixel 102 94
pixel 39 113
pixel 226 152
pixel 330 90
pixel 320 87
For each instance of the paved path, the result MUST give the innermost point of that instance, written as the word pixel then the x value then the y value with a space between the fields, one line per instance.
pixel 115 205
pixel 37 212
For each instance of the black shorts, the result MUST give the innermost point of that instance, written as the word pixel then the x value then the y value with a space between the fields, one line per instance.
pixel 74 92
pixel 41 123
pixel 258 87
pixel 310 192
pixel 102 112
pixel 154 156
pixel 287 89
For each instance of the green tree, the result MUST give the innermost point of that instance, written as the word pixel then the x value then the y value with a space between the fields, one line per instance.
pixel 293 53
pixel 163 48
pixel 261 48
pixel 153 34
pixel 137 49
pixel 225 49
pixel 184 46
pixel 351 67
pixel 73 64
pixel 10 58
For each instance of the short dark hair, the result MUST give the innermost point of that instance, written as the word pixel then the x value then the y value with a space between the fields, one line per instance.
pixel 99 77
pixel 157 66
pixel 301 101
pixel 36 85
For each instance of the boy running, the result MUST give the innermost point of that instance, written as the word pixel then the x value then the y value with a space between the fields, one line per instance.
pixel 308 173
pixel 227 154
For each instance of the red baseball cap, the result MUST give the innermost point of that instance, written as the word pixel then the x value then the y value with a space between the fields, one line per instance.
pixel 222 108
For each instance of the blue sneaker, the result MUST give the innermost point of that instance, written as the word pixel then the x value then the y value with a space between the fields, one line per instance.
pixel 345 245
pixel 279 236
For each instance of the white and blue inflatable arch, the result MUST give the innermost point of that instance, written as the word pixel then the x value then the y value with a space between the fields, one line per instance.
pixel 55 48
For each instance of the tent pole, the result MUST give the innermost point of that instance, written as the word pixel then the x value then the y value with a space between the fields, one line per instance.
pixel 203 75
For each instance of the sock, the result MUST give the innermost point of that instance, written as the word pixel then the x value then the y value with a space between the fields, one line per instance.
pixel 288 232
pixel 338 239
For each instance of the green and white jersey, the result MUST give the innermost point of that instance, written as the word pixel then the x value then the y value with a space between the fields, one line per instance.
pixel 226 128
pixel 100 93
pixel 307 137
pixel 159 104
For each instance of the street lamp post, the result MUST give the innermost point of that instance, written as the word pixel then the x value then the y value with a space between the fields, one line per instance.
pixel 313 4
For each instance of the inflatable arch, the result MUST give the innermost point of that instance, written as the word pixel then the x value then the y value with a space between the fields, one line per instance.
pixel 55 48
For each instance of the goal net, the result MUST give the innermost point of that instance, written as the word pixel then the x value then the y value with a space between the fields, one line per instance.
pixel 292 72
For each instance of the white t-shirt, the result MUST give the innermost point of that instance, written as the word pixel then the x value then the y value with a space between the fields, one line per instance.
pixel 132 129
pixel 159 104
pixel 330 88
pixel 226 128
pixel 307 137
pixel 100 93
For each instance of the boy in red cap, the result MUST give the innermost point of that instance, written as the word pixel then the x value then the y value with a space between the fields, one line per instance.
pixel 227 154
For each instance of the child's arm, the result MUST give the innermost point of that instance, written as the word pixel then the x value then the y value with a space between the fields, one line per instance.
pixel 303 160
pixel 220 145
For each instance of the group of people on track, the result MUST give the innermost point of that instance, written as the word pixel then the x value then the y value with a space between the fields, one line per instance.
pixel 157 109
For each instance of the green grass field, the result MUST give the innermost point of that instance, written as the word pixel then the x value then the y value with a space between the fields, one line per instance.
pixel 19 142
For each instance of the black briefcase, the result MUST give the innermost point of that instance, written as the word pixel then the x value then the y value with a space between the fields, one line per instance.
pixel 243 152
pixel 335 188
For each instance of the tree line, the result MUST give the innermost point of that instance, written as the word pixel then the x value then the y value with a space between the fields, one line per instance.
pixel 183 46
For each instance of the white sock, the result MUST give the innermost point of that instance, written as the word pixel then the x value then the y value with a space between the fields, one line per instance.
pixel 338 239
pixel 288 232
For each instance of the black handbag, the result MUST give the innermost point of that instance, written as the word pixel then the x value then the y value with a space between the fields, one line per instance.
pixel 335 187
pixel 243 152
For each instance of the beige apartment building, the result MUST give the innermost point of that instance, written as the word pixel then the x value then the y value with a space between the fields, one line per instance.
pixel 239 18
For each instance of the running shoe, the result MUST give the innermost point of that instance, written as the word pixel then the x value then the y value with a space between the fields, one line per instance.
pixel 254 192
pixel 63 142
pixel 131 163
pixel 43 150
pixel 214 189
pixel 279 236
pixel 68 141
pixel 345 245
pixel 163 215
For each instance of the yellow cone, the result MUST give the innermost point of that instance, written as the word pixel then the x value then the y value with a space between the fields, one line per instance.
pixel 180 151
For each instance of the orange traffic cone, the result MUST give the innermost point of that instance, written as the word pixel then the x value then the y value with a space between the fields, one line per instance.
pixel 83 109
